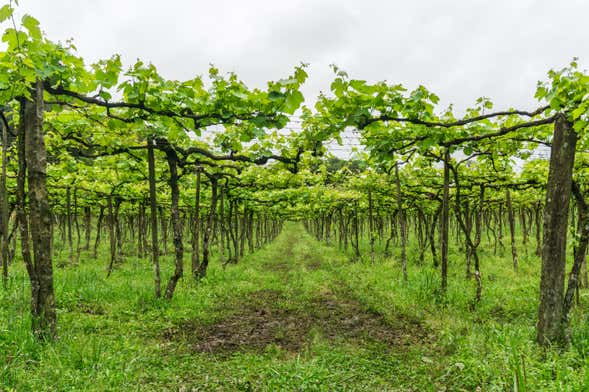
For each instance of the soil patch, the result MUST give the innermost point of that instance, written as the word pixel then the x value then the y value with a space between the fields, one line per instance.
pixel 259 321
pixel 313 265
pixel 82 307
pixel 91 309
pixel 277 266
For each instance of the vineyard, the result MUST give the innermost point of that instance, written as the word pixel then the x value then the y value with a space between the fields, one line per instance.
pixel 159 234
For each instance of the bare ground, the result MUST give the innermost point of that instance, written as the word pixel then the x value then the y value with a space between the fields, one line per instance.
pixel 259 321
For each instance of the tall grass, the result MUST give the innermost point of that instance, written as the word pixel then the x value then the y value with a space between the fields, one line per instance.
pixel 110 330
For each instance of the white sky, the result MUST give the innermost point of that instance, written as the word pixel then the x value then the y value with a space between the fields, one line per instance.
pixel 459 49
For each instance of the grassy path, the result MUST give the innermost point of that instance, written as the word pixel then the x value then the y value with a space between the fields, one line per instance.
pixel 293 323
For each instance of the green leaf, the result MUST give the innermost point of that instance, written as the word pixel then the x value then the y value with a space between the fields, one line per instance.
pixel 275 95
pixel 105 95
pixel 32 25
pixel 259 121
pixel 554 104
pixel 5 12
pixel 293 101
pixel 239 94
pixel 579 125
pixel 576 113
pixel 300 75
pixel 541 92
pixel 13 38
pixel 107 71
pixel 362 87
pixel 288 82
pixel 337 87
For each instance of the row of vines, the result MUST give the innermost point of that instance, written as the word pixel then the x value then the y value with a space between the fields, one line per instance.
pixel 94 153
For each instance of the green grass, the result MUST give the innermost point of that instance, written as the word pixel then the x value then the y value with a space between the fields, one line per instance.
pixel 113 333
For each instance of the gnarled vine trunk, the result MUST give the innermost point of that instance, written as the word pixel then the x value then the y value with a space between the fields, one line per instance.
pixel 551 328
pixel 176 223
pixel 33 161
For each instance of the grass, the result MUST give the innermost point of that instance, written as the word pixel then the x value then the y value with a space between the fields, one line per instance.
pixel 296 315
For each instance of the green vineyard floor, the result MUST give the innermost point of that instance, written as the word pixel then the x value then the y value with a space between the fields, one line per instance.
pixel 295 315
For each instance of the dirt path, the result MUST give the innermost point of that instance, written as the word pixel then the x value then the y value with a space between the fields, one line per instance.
pixel 310 303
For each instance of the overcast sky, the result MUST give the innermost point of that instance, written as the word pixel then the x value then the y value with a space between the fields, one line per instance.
pixel 459 49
